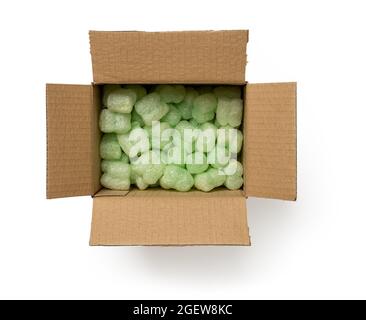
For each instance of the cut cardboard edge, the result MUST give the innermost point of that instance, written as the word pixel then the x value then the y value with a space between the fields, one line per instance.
pixel 110 193
pixel 246 244
pixel 96 137
pixel 184 82
pixel 162 193
pixel 171 31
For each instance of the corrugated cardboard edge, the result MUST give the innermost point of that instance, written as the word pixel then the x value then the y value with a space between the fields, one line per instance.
pixel 167 218
pixel 271 159
pixel 196 57
pixel 242 155
pixel 96 137
pixel 111 193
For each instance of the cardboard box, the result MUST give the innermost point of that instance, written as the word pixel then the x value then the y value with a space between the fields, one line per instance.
pixel 156 216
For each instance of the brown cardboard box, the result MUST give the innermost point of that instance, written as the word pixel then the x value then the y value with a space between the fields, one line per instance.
pixel 160 217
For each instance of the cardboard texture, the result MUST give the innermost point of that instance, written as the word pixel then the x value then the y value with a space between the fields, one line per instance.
pixel 156 216
pixel 169 57
pixel 159 217
pixel 69 142
pixel 270 140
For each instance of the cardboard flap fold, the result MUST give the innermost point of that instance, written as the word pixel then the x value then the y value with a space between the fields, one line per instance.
pixel 69 140
pixel 270 140
pixel 169 57
pixel 159 217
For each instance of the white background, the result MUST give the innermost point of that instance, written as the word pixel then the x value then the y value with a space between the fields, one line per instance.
pixel 313 248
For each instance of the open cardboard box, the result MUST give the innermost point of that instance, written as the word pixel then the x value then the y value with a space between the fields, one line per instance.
pixel 156 216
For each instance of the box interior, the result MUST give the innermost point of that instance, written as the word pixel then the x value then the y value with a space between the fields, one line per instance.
pixel 100 191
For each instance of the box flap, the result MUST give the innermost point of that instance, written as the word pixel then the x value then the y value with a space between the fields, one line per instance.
pixel 159 217
pixel 270 140
pixel 169 57
pixel 71 136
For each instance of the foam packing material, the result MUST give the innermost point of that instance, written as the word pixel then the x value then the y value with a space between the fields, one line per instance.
pixel 171 136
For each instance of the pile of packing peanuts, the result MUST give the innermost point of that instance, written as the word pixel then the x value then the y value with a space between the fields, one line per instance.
pixel 173 136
